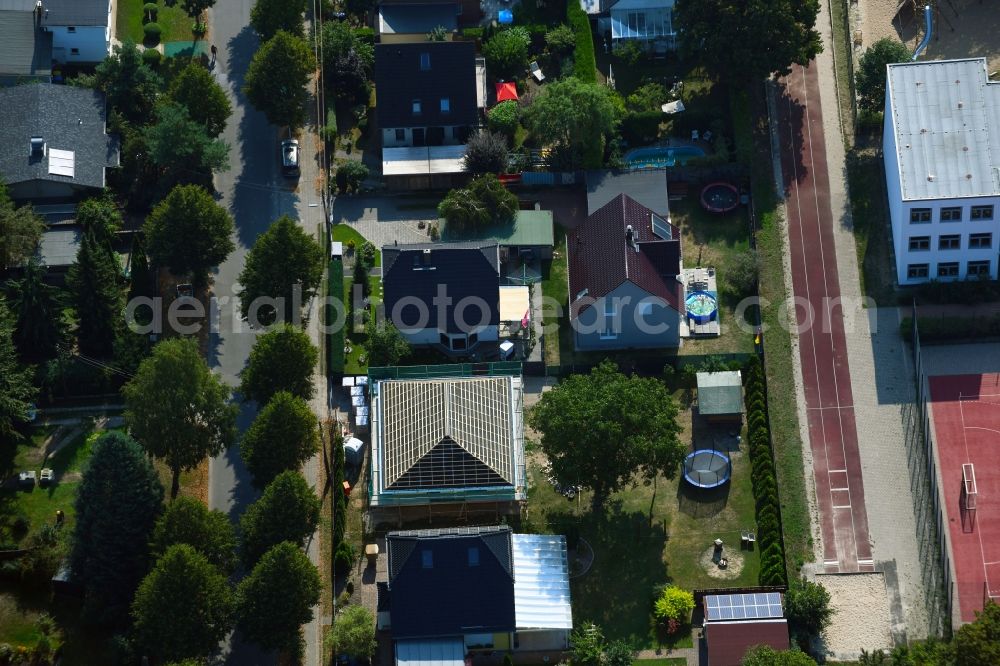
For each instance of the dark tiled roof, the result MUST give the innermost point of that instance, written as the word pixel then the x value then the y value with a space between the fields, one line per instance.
pixel 729 641
pixel 67 118
pixel 76 12
pixel 601 259
pixel 26 50
pixel 415 19
pixel 399 80
pixel 647 186
pixel 451 597
pixel 466 270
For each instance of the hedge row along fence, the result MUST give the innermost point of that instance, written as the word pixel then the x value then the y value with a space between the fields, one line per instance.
pixel 335 347
pixel 584 60
pixel 952 329
pixel 765 486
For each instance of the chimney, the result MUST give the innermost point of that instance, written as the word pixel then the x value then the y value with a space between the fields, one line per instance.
pixel 37 147
pixel 630 237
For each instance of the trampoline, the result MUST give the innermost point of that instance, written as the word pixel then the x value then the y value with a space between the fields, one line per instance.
pixel 706 468
pixel 720 197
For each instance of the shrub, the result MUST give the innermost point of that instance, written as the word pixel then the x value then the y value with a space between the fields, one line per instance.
pixel 152 57
pixel 629 51
pixel 149 11
pixel 641 128
pixel 366 254
pixel 507 53
pixel 504 117
pixel 152 33
pixel 344 558
pixel 584 61
pixel 560 40
pixel 330 128
pixel 674 604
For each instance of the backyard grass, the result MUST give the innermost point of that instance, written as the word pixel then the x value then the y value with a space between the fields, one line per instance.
pixel 648 536
pixel 554 289
pixel 176 25
pixel 345 233
pixel 668 661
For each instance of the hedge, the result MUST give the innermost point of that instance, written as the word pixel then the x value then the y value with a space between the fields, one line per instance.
pixel 335 340
pixel 940 329
pixel 151 57
pixel 763 478
pixel 584 60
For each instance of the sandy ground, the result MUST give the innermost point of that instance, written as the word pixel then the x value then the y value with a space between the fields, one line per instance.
pixel 861 614
pixel 964 28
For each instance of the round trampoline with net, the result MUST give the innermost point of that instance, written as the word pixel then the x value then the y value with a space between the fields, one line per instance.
pixel 706 468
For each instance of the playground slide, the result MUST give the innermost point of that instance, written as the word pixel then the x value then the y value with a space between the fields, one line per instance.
pixel 927 33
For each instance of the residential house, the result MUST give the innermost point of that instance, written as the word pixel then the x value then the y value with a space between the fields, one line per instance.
pixel 648 21
pixel 451 440
pixel 54 142
pixel 623 262
pixel 81 29
pixel 941 148
pixel 444 295
pixel 720 396
pixel 26 55
pixel 467 13
pixel 402 23
pixel 493 592
pixel 734 623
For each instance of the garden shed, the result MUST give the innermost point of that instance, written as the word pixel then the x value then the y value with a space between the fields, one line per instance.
pixel 720 396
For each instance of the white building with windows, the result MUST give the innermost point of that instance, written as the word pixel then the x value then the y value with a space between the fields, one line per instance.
pixel 645 20
pixel 941 147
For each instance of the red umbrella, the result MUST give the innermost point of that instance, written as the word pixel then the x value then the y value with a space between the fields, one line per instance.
pixel 506 91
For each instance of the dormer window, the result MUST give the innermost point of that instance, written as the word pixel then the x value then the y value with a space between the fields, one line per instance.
pixel 71 28
pixel 416 107
pixel 445 105
pixel 427 559
pixel 473 557
pixel 425 62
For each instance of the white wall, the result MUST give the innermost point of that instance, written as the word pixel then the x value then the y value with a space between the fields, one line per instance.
pixel 91 41
pixel 892 184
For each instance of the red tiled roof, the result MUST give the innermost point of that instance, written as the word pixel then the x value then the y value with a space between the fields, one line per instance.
pixel 729 641
pixel 601 259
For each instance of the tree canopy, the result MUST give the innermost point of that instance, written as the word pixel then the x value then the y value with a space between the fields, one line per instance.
pixel 184 607
pixel 506 52
pixel 189 232
pixel 117 503
pixel 385 345
pixel 576 116
pixel 283 259
pixel 20 231
pixel 206 102
pixel 269 16
pixel 277 598
pixel 869 80
pixel 178 144
pixel 188 521
pixel 276 79
pixel 283 435
pixel 763 655
pixel 195 8
pixel 100 217
pixel 485 201
pixel 282 359
pixel 353 632
pixel 130 84
pixel 978 643
pixel 486 152
pixel 94 282
pixel 745 41
pixel 807 606
pixel 288 510
pixel 602 429
pixel 17 391
pixel 38 311
pixel 177 409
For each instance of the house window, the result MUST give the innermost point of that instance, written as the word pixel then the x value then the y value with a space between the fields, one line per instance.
pixel 636 23
pixel 981 213
pixel 416 107
pixel 918 243
pixel 916 271
pixel 427 559
pixel 951 214
pixel 980 241
pixel 920 215
pixel 75 52
pixel 978 269
pixel 947 269
pixel 609 332
pixel 445 105
pixel 949 242
pixel 473 557
pixel 400 135
pixel 459 343
pixel 71 28
pixel 425 62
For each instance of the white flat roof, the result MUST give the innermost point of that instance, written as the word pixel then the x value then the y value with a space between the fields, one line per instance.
pixel 422 161
pixel 541 582
pixel 946 119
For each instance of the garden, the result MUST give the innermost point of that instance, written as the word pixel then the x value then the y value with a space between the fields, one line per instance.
pixel 360 258
pixel 152 23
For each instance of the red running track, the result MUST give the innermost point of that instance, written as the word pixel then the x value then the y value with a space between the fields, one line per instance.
pixel 966 410
pixel 826 376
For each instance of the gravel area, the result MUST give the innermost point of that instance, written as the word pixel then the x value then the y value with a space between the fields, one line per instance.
pixel 861 615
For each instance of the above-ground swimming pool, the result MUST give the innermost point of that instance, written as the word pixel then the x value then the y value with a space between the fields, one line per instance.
pixel 661 156
pixel 701 306
pixel 720 197
pixel 706 468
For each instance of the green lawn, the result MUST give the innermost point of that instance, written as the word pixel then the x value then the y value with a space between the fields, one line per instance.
pixel 647 536
pixel 666 661
pixel 555 287
pixel 345 233
pixel 176 25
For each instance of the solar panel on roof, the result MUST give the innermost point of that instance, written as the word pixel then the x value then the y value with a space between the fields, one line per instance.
pixel 661 227
pixel 749 606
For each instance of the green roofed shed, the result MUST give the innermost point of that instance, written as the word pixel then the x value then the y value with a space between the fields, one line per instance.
pixel 531 230
pixel 720 395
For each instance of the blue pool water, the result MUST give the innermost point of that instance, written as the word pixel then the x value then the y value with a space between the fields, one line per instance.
pixel 661 156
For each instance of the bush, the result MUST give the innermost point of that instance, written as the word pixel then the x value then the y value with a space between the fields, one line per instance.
pixel 584 61
pixel 344 558
pixel 641 128
pixel 629 51
pixel 152 29
pixel 366 254
pixel 507 53
pixel 674 604
pixel 152 57
pixel 504 117
pixel 560 40
pixel 149 11
pixel 330 128
pixel 741 278
pixel 471 34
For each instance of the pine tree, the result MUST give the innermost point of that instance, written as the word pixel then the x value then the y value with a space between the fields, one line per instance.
pixel 38 309
pixel 96 296
pixel 16 389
